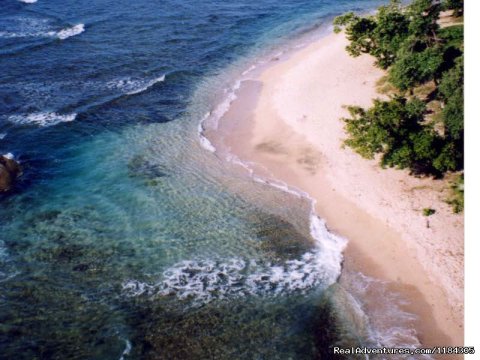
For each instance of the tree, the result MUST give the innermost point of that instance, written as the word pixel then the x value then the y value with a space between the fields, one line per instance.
pixel 423 15
pixel 389 34
pixel 408 42
pixel 413 68
pixel 456 6
pixel 393 129
pixel 380 35
pixel 359 31
pixel 451 92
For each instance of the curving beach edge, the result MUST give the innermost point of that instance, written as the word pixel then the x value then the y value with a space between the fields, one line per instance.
pixel 287 122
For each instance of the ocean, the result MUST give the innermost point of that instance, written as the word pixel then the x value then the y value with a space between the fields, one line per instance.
pixel 127 237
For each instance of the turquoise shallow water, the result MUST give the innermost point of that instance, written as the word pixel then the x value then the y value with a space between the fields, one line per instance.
pixel 125 238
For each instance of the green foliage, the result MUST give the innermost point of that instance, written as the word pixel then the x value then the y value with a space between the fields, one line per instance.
pixel 452 36
pixel 394 129
pixel 451 92
pixel 380 35
pixel 455 5
pixel 423 15
pixel 390 32
pixel 414 68
pixel 428 211
pixel 359 32
pixel 457 198
pixel 408 42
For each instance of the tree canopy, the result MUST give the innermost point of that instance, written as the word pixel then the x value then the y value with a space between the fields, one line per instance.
pixel 407 131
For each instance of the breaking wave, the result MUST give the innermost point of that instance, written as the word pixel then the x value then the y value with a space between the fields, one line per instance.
pixel 132 86
pixel 207 280
pixel 37 29
pixel 69 32
pixel 42 118
pixel 204 142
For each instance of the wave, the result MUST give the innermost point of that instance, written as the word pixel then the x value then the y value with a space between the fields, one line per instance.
pixel 381 311
pixel 9 156
pixel 42 118
pixel 38 30
pixel 2 136
pixel 69 32
pixel 204 142
pixel 126 351
pixel 206 280
pixel 215 115
pixel 330 245
pixel 134 86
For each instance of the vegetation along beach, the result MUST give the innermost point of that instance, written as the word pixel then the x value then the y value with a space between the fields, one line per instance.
pixel 236 180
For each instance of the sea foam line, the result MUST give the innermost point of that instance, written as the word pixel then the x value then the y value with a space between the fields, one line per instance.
pixel 206 144
pixel 202 281
pixel 132 86
pixel 330 244
pixel 42 118
pixel 215 115
pixel 387 324
pixel 127 350
pixel 68 32
pixel 36 32
pixel 147 86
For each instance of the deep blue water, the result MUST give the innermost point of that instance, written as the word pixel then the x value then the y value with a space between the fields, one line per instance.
pixel 124 236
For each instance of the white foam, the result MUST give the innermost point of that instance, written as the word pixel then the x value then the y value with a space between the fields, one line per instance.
pixel 42 118
pixel 40 28
pixel 69 32
pixel 206 144
pixel 250 69
pixel 204 281
pixel 9 156
pixel 325 263
pixel 216 114
pixel 26 27
pixel 126 351
pixel 330 245
pixel 28 1
pixel 132 86
pixel 2 136
pixel 386 323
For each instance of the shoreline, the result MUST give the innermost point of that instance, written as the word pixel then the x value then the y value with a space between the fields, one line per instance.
pixel 286 121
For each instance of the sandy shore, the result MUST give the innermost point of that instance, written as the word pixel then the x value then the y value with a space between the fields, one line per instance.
pixel 287 121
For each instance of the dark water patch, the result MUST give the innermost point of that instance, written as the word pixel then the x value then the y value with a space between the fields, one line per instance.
pixel 141 167
pixel 248 328
pixel 64 239
pixel 82 327
pixel 280 240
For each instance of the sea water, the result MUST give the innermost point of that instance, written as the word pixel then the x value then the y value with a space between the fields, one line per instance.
pixel 126 236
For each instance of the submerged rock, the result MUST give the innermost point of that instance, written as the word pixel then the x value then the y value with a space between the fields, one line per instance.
pixel 143 168
pixel 281 240
pixel 9 171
